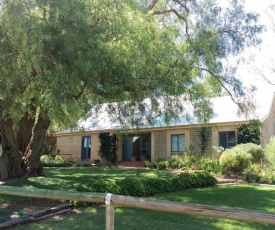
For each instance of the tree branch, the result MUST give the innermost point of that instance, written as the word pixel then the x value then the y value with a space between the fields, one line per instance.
pixel 152 5
pixel 218 78
pixel 259 72
pixel 176 13
pixel 183 5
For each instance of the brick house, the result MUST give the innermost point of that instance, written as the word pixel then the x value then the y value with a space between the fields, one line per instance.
pixel 159 141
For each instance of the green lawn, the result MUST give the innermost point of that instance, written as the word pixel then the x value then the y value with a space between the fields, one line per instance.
pixel 70 178
pixel 241 196
pixel 246 196
pixel 139 219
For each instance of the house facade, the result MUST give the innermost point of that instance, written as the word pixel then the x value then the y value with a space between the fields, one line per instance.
pixel 161 141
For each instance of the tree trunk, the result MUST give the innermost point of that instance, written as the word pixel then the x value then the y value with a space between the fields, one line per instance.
pixel 21 147
pixel 10 161
pixel 24 133
pixel 31 158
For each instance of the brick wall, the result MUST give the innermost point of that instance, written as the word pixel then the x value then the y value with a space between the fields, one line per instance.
pixel 160 145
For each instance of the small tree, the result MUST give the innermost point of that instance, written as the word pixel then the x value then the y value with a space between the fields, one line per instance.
pixel 108 147
pixel 249 133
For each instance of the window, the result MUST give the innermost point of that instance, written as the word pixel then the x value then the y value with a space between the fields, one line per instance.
pixel 177 143
pixel 227 139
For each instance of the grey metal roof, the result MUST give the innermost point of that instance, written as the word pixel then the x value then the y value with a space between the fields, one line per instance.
pixel 225 111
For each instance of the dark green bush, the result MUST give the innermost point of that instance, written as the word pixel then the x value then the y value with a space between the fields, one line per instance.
pixel 108 147
pixel 141 187
pixel 249 133
pixel 162 165
pixel 256 151
pixel 235 160
pixel 149 186
pixel 193 180
pixel 159 164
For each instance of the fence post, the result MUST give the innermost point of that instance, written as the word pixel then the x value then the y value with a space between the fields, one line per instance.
pixel 110 212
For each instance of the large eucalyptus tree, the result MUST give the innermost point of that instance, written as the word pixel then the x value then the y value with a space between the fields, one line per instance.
pixel 58 59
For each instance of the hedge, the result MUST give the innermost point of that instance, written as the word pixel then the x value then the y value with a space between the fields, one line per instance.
pixel 141 187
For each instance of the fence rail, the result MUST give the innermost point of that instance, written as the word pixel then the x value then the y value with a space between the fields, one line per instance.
pixel 143 203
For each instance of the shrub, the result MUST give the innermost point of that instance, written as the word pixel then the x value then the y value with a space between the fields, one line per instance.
pixel 255 150
pixel 149 186
pixel 158 164
pixel 252 173
pixel 235 160
pixel 108 147
pixel 193 180
pixel 249 133
pixel 148 164
pixel 270 152
pixel 261 174
pixel 209 164
pixel 58 159
pixel 105 186
pixel 162 165
pixel 189 161
pixel 46 159
pixel 175 162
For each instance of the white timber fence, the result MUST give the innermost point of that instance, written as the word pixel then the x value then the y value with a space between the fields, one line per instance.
pixel 111 200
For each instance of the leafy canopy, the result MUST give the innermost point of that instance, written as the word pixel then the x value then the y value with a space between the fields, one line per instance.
pixel 67 56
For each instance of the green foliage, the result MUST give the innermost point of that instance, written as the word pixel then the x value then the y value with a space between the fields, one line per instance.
pixel 209 164
pixel 108 147
pixel 58 159
pixel 260 174
pixel 105 57
pixel 173 162
pixel 235 160
pixel 49 145
pixel 141 187
pixel 205 134
pixel 255 150
pixel 162 165
pixel 270 152
pixel 66 57
pixel 47 159
pixel 252 173
pixel 249 133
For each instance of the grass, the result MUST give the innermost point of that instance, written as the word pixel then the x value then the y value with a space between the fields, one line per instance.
pixel 240 196
pixel 130 218
pixel 69 179
pixel 246 196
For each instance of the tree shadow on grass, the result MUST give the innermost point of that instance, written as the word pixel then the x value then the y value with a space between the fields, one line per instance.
pixel 246 196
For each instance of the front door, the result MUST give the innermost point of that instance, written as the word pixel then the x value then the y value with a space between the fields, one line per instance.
pixel 127 149
pixel 86 148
